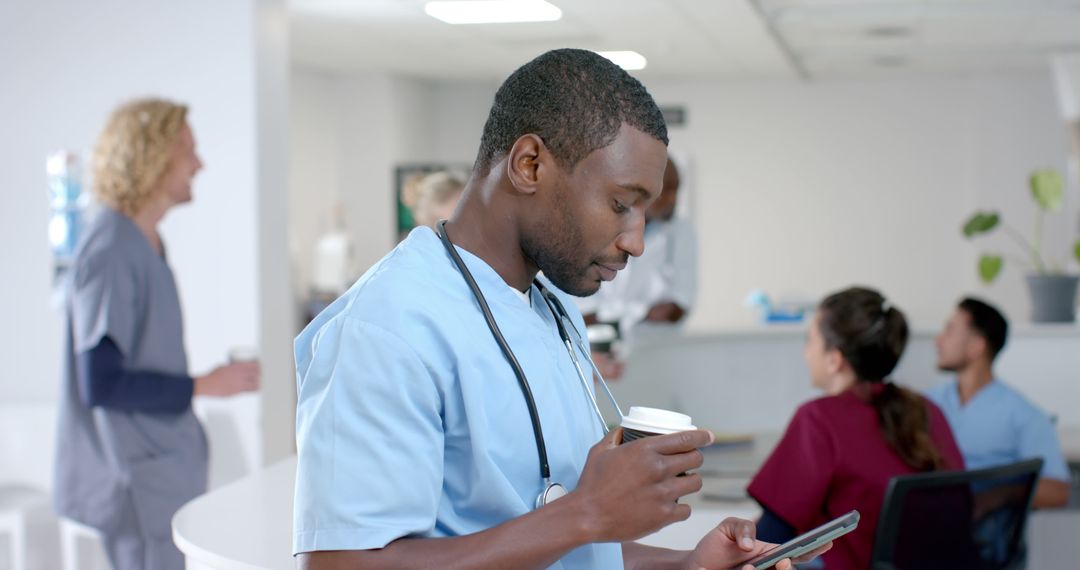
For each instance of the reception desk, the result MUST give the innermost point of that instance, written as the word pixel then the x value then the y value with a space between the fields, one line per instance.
pixel 753 379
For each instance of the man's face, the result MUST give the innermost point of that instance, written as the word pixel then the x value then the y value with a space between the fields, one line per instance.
pixel 184 162
pixel 594 216
pixel 958 344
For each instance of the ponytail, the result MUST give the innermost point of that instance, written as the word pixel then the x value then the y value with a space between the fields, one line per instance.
pixel 871 334
pixel 905 425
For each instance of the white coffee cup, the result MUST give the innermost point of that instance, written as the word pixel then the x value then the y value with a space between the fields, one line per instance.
pixel 239 354
pixel 645 422
pixel 602 337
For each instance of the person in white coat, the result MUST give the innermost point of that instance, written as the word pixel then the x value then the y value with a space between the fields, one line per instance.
pixel 653 296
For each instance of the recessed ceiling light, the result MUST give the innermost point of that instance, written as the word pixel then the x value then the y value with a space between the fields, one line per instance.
pixel 628 60
pixel 493 11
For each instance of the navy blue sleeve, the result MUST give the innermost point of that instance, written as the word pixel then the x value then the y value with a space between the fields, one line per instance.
pixel 772 528
pixel 105 382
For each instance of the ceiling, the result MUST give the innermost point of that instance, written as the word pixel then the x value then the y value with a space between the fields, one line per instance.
pixel 810 39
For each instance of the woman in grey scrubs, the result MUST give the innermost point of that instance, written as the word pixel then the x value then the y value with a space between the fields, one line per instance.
pixel 130 451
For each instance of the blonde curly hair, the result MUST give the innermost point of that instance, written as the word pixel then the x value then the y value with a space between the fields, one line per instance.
pixel 133 152
pixel 425 195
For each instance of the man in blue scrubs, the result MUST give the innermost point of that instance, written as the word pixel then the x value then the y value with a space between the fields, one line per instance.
pixel 414 439
pixel 992 422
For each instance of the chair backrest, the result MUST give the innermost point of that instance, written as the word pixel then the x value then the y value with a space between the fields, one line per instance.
pixel 956 519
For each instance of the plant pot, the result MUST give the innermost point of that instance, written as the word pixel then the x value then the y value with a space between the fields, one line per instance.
pixel 1053 298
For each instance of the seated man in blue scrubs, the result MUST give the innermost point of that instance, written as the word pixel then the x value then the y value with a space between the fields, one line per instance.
pixel 992 422
pixel 420 443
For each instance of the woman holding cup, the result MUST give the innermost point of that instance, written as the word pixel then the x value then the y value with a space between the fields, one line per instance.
pixel 130 451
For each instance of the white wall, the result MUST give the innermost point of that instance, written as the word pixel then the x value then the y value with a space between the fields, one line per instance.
pixel 65 65
pixel 314 159
pixel 59 89
pixel 277 314
pixel 350 133
pixel 805 188
pixel 460 110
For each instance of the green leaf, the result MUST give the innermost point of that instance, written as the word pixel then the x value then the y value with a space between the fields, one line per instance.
pixel 1076 251
pixel 981 222
pixel 989 267
pixel 1048 189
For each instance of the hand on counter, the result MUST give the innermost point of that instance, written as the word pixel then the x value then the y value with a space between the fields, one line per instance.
pixel 665 313
pixel 608 365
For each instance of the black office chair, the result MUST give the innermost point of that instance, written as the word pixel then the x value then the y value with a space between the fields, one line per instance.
pixel 970 520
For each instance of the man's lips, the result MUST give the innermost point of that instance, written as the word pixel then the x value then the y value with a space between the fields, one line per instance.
pixel 608 270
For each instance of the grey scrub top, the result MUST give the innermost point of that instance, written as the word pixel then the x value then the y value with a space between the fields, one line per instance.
pixel 114 465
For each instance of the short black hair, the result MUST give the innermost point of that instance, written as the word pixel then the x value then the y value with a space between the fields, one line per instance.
pixel 988 322
pixel 574 100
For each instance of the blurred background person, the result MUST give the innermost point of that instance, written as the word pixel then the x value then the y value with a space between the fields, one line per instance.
pixel 846 446
pixel 130 450
pixel 653 295
pixel 433 197
pixel 993 423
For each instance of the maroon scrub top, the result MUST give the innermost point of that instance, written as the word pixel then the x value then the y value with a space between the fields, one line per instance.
pixel 833 459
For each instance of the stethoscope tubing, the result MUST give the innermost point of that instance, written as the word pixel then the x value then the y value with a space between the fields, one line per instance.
pixel 534 415
pixel 562 316
pixel 564 325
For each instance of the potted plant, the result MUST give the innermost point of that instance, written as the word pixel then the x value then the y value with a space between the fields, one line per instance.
pixel 1052 291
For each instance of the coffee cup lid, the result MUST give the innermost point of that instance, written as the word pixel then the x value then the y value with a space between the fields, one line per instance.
pixel 601 332
pixel 655 420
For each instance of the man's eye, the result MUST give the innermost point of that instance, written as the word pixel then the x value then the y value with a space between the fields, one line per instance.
pixel 620 207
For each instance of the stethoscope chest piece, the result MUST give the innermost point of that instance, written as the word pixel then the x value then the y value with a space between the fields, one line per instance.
pixel 551 493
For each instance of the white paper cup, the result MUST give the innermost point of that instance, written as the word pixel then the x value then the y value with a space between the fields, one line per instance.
pixel 645 422
pixel 602 337
pixel 243 354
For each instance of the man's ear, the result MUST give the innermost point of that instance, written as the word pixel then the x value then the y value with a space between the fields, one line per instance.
pixel 977 347
pixel 528 162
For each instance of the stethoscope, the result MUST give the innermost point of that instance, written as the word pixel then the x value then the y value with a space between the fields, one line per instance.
pixel 551 490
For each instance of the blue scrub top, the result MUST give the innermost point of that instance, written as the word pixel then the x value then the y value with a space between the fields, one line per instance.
pixel 119 470
pixel 999 426
pixel 410 421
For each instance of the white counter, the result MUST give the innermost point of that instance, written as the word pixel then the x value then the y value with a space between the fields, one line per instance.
pixel 245 525
pixel 753 379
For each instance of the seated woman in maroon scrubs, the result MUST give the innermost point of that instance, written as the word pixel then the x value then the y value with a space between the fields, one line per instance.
pixel 840 451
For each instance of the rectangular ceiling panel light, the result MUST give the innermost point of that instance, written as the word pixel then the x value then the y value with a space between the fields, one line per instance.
pixel 493 11
pixel 628 60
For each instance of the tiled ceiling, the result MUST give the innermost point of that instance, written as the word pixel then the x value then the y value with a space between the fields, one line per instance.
pixel 828 38
pixel 812 39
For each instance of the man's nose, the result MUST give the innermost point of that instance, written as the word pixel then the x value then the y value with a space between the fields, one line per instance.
pixel 632 240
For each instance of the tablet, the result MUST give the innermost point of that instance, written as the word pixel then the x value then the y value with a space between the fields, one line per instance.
pixel 805 543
